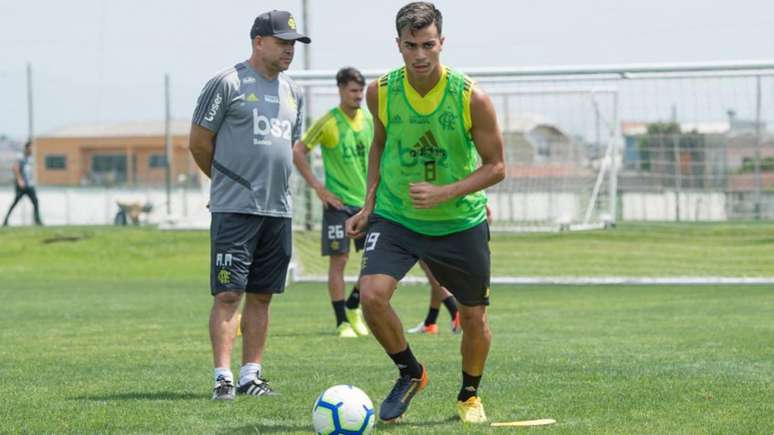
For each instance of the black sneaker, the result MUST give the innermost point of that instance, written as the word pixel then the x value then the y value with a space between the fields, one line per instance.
pixel 257 387
pixel 224 389
pixel 398 400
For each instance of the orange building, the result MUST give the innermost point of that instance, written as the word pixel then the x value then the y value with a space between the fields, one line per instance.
pixel 123 154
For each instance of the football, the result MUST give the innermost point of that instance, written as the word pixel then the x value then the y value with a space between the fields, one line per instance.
pixel 343 409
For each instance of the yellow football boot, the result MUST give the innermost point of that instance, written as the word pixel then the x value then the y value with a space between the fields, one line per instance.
pixel 471 410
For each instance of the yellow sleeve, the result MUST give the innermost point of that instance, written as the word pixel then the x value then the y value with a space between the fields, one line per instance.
pixel 323 132
pixel 466 97
pixel 383 99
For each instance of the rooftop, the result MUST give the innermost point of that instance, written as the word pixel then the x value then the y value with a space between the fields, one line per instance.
pixel 180 127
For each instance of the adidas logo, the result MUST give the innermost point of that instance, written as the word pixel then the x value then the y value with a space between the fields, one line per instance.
pixel 396 119
pixel 251 97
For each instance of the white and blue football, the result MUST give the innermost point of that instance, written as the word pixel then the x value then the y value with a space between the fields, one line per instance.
pixel 343 410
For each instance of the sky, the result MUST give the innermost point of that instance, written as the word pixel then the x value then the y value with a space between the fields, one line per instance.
pixel 99 60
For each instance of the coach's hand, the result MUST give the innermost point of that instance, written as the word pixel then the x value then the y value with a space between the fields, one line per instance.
pixel 328 198
pixel 426 195
pixel 356 225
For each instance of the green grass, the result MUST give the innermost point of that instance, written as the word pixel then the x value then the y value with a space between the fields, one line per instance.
pixel 631 250
pixel 108 334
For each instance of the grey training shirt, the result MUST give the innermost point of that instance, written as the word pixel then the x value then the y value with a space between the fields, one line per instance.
pixel 256 122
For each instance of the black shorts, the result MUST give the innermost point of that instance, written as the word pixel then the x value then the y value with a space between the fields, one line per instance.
pixel 333 239
pixel 249 253
pixel 459 261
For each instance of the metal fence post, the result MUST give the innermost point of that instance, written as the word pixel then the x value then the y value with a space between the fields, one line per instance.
pixel 758 177
pixel 678 178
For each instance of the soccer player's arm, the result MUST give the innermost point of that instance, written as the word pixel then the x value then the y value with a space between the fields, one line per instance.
pixel 316 134
pixel 489 144
pixel 356 224
pixel 208 116
pixel 201 142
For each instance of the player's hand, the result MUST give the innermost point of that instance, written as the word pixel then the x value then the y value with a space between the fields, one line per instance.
pixel 426 195
pixel 22 185
pixel 356 225
pixel 328 198
pixel 489 217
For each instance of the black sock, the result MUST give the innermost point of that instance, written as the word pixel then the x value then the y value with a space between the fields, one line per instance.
pixel 451 305
pixel 338 308
pixel 353 301
pixel 469 387
pixel 432 316
pixel 407 363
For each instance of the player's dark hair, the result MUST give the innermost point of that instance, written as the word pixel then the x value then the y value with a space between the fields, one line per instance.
pixel 349 74
pixel 418 15
pixel 28 144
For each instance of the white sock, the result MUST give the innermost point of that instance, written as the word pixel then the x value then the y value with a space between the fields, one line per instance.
pixel 224 372
pixel 248 372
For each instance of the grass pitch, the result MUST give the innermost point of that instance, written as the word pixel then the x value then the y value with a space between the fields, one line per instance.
pixel 737 249
pixel 105 331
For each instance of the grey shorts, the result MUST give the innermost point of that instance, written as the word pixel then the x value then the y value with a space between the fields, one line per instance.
pixel 459 261
pixel 333 239
pixel 249 253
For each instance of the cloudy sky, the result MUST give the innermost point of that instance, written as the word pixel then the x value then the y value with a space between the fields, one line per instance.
pixel 99 60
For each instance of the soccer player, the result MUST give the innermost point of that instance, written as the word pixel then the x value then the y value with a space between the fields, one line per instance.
pixel 24 177
pixel 345 133
pixel 245 123
pixel 425 200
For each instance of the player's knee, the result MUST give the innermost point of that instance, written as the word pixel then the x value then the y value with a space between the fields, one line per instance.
pixel 258 299
pixel 228 298
pixel 372 299
pixel 474 319
pixel 375 291
pixel 339 260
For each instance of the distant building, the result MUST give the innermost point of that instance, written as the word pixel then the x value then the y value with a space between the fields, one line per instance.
pixel 740 157
pixel 700 148
pixel 123 154
pixel 541 154
pixel 531 140
pixel 703 155
pixel 742 126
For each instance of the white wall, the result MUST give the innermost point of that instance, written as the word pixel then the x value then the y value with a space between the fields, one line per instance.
pixel 662 206
pixel 97 206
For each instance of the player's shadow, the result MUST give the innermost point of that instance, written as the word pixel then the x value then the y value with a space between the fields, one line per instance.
pixel 161 395
pixel 257 428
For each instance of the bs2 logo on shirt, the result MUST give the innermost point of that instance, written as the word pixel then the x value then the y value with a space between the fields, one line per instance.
pixel 263 126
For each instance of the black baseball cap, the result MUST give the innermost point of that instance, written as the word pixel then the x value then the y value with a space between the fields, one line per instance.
pixel 279 24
